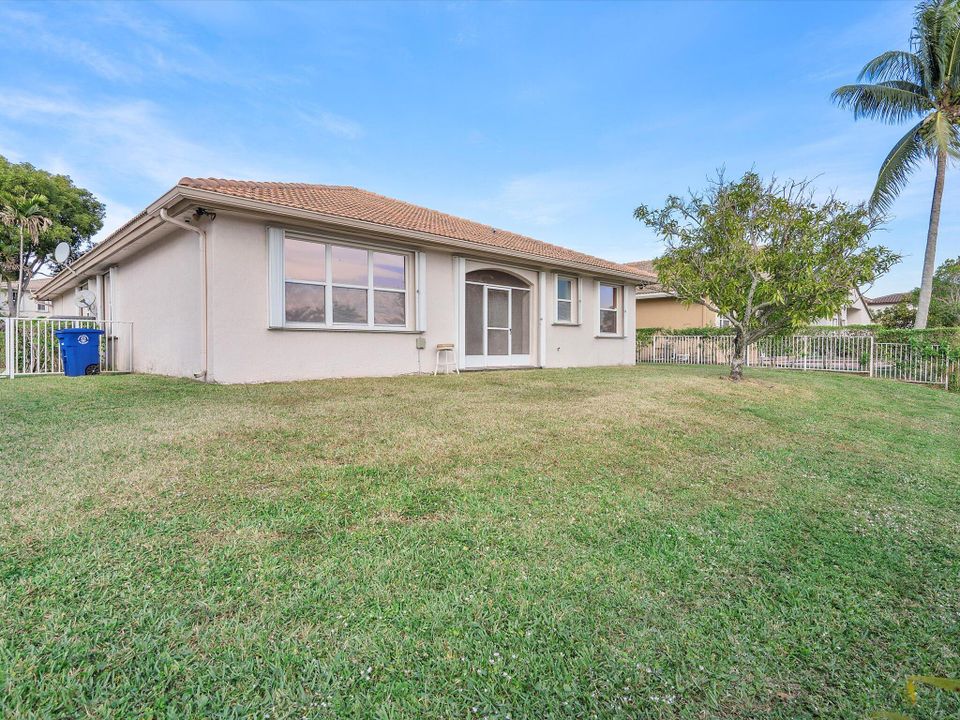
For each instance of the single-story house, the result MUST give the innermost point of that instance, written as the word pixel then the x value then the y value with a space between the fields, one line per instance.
pixel 32 306
pixel 855 312
pixel 238 281
pixel 885 302
pixel 658 307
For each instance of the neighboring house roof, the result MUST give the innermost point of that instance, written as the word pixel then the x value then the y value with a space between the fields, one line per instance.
pixel 891 299
pixel 644 266
pixel 354 203
pixel 653 288
pixel 37 284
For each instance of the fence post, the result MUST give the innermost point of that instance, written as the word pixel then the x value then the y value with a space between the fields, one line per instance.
pixel 873 348
pixel 10 354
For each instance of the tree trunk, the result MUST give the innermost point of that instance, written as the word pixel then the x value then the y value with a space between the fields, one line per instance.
pixel 736 360
pixel 11 310
pixel 930 255
pixel 16 309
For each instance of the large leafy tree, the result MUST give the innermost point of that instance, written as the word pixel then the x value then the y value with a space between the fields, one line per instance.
pixel 923 85
pixel 75 217
pixel 765 255
pixel 945 300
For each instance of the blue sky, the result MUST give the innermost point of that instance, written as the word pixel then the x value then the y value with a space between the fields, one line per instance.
pixel 553 120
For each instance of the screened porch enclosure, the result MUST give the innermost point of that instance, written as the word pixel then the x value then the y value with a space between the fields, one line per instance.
pixel 496 320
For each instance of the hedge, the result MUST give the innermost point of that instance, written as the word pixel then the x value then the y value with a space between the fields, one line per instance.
pixel 945 337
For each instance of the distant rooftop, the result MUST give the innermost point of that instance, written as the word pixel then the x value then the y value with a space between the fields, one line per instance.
pixel 891 299
pixel 645 268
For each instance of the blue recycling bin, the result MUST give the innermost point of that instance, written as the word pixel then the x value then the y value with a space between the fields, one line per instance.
pixel 80 350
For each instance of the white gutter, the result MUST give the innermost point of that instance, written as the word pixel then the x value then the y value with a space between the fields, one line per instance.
pixel 165 217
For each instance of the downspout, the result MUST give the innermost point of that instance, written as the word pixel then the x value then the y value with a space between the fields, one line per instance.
pixel 202 374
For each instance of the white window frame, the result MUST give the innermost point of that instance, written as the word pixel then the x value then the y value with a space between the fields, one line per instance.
pixel 574 300
pixel 411 291
pixel 618 301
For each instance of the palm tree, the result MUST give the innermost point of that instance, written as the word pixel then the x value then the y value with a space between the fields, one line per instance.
pixel 25 214
pixel 924 83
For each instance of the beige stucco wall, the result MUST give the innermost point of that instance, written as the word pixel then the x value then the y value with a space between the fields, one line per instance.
pixel 29 306
pixel 244 349
pixel 579 345
pixel 670 313
pixel 158 291
pixel 853 314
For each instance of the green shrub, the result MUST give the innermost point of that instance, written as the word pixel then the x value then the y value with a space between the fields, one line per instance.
pixel 645 335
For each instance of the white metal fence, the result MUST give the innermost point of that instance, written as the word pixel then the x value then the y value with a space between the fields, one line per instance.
pixel 29 346
pixel 833 353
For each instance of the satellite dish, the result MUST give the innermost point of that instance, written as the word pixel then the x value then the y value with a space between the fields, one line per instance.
pixel 86 298
pixel 62 253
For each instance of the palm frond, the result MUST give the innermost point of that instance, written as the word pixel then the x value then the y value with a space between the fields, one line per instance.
pixel 903 159
pixel 923 40
pixel 894 65
pixel 947 20
pixel 952 60
pixel 881 101
pixel 935 40
pixel 939 133
pixel 906 86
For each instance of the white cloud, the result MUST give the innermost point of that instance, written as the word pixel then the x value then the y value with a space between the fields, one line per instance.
pixel 117 214
pixel 146 48
pixel 128 136
pixel 545 199
pixel 33 30
pixel 332 124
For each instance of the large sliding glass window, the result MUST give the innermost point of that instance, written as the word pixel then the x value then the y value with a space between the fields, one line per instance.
pixel 343 286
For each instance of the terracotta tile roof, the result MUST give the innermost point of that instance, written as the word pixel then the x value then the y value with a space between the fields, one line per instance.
pixel 645 268
pixel 356 204
pixel 891 299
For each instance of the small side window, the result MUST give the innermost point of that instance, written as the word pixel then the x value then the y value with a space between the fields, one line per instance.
pixel 610 305
pixel 566 311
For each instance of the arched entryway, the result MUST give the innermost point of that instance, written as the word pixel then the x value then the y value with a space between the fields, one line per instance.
pixel 496 319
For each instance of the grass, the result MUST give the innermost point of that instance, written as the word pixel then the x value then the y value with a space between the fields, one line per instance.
pixel 634 542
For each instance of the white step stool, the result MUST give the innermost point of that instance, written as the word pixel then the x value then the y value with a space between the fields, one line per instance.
pixel 446 359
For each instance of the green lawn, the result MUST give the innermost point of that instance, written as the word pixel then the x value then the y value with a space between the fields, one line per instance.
pixel 634 542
